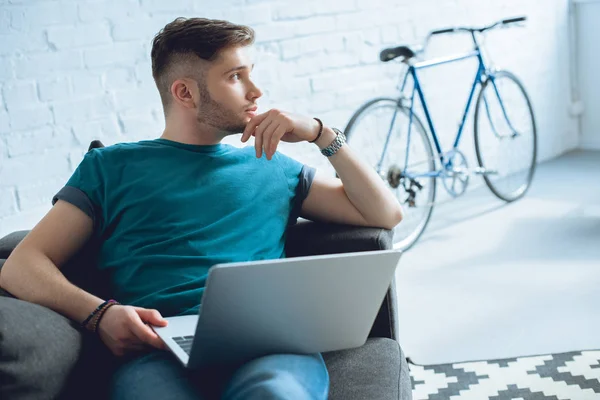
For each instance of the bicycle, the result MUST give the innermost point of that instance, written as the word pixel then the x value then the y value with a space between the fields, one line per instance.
pixel 414 182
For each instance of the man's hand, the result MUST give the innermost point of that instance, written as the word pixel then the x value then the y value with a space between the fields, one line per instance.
pixel 273 126
pixel 123 329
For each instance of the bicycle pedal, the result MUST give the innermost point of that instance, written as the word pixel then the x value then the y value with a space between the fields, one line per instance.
pixel 484 171
pixel 461 171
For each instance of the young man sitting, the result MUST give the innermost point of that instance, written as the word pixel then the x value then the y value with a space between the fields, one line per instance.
pixel 168 209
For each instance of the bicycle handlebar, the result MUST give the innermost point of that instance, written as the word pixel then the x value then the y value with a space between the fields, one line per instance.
pixel 485 28
pixel 421 48
pixel 511 20
pixel 440 31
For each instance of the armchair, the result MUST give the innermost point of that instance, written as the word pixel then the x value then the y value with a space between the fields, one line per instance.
pixel 43 355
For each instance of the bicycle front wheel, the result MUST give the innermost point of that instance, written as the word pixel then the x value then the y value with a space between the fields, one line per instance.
pixel 406 163
pixel 505 136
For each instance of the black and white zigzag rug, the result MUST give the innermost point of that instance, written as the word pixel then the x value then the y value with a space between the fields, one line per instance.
pixel 566 376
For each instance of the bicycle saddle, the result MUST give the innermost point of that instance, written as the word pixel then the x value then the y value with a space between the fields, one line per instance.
pixel 395 52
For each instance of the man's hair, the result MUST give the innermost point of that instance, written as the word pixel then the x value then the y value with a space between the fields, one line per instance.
pixel 177 47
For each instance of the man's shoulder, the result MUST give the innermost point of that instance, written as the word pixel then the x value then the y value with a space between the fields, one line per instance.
pixel 117 149
pixel 127 146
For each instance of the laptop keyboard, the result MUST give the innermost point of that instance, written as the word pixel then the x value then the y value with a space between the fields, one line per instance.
pixel 185 342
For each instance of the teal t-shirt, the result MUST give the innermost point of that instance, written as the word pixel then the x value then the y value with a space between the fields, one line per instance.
pixel 166 212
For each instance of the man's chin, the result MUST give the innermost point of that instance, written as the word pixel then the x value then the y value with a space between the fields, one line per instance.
pixel 234 129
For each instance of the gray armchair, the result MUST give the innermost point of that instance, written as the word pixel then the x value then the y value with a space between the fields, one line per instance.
pixel 43 355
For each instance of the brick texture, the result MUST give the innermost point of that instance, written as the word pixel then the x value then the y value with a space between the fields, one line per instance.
pixel 72 71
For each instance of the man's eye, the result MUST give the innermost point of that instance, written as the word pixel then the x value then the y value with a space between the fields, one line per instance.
pixel 236 76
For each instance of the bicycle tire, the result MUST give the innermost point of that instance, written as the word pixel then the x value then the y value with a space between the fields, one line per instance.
pixel 489 180
pixel 403 242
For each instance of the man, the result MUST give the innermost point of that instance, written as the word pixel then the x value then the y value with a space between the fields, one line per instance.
pixel 168 209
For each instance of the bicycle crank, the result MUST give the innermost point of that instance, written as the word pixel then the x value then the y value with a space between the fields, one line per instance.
pixel 455 175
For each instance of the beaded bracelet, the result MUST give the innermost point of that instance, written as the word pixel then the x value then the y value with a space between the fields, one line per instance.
pixel 85 322
pixel 100 314
pixel 93 319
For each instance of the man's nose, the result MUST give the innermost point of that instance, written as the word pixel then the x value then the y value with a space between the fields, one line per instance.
pixel 254 92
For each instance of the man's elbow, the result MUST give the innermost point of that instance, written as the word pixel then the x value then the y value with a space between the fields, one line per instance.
pixel 394 218
pixel 6 272
pixel 398 214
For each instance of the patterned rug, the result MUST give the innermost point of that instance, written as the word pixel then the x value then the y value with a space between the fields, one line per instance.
pixel 566 376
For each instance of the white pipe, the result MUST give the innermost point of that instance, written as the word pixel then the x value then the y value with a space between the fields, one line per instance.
pixel 576 106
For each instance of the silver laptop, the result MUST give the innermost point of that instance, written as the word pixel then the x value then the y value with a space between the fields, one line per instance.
pixel 297 305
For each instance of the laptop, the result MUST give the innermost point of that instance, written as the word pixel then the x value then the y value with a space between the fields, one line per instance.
pixel 299 305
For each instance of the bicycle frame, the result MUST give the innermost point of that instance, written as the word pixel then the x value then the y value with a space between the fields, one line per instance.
pixel 481 74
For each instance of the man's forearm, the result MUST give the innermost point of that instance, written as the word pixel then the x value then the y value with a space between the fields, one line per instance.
pixel 365 189
pixel 33 277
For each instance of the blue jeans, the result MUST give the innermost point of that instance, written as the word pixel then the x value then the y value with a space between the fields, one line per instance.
pixel 158 375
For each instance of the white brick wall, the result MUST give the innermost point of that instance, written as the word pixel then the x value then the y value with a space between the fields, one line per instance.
pixel 72 71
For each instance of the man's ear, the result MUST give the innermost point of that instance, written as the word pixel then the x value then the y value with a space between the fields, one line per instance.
pixel 185 92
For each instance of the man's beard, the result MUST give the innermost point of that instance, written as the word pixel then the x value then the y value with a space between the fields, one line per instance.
pixel 214 114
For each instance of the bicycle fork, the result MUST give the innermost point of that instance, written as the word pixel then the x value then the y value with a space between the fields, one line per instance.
pixel 489 115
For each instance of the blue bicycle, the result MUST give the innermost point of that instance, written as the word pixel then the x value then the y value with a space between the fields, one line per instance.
pixel 393 139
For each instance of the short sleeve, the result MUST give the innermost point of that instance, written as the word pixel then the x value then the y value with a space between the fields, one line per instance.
pixel 85 188
pixel 299 178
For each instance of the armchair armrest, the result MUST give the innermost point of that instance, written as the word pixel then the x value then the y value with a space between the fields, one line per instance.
pixel 7 245
pixel 9 242
pixel 317 238
pixel 91 280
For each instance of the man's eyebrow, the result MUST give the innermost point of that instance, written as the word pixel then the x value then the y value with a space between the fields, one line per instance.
pixel 241 67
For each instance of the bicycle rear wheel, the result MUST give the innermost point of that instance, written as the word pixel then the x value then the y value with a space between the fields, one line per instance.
pixel 505 136
pixel 367 131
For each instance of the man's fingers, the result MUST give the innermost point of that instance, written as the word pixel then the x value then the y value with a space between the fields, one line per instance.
pixel 258 137
pixel 246 134
pixel 151 316
pixel 267 137
pixel 252 124
pixel 275 139
pixel 145 333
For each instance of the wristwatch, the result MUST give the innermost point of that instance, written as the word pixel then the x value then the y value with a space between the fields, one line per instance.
pixel 337 143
